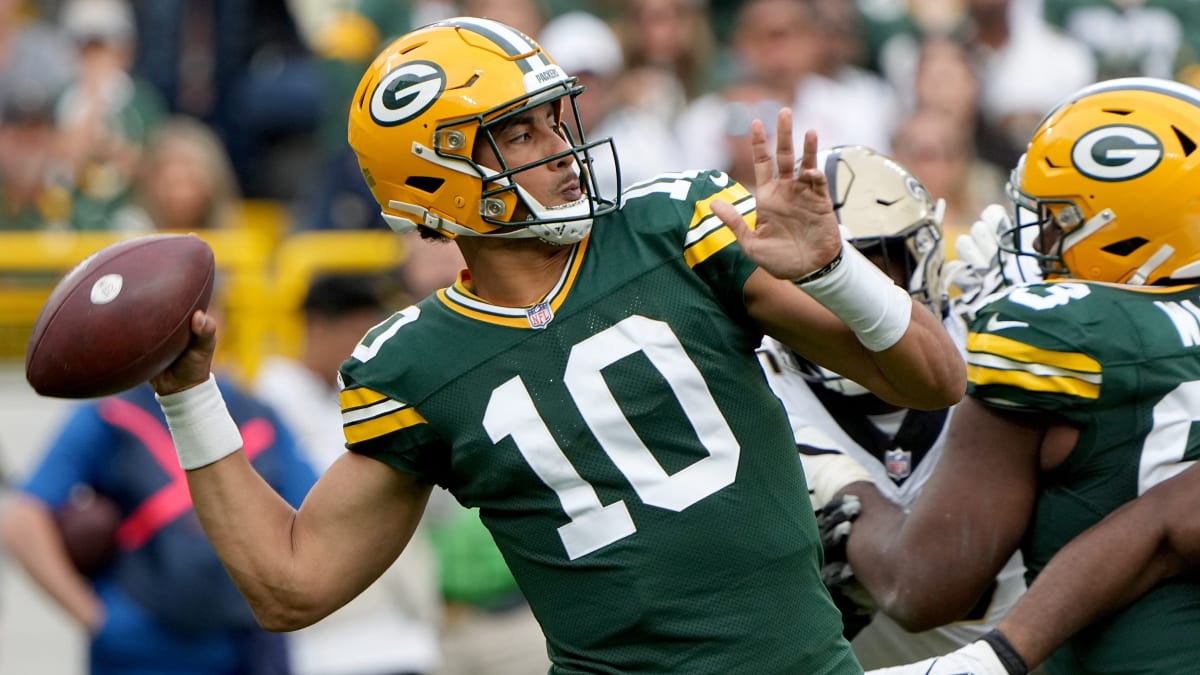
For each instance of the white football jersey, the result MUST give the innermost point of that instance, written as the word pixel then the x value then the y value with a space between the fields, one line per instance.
pixel 899 472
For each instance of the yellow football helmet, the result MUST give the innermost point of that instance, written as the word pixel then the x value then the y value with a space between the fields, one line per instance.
pixel 887 214
pixel 430 97
pixel 1111 175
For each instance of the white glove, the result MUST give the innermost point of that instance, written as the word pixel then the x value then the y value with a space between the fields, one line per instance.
pixel 982 270
pixel 827 472
pixel 977 658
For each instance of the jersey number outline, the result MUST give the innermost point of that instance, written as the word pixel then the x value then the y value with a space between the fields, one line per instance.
pixel 1166 444
pixel 1055 295
pixel 511 413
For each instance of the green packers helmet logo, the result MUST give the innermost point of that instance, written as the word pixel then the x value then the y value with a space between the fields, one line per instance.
pixel 1117 152
pixel 407 92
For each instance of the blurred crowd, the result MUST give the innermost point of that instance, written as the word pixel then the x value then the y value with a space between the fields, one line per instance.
pixel 140 114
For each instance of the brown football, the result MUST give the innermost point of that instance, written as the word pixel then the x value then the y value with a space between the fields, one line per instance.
pixel 120 317
pixel 88 524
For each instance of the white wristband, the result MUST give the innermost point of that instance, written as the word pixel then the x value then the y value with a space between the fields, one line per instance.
pixel 200 425
pixel 866 299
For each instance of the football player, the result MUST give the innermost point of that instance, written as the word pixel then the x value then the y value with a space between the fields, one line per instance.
pixel 1147 540
pixel 589 383
pixel 889 216
pixel 1083 389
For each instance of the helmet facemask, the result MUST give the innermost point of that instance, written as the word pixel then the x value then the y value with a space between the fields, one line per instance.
pixel 504 203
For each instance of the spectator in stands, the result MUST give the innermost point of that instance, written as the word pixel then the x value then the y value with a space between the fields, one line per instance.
pixel 718 127
pixel 938 149
pixel 391 627
pixel 36 63
pixel 673 36
pixel 34 54
pixel 1153 38
pixel 775 42
pixel 185 182
pixel 105 116
pixel 1024 65
pixel 620 104
pixel 242 67
pixel 845 102
pixel 35 189
pixel 163 604
pixel 344 42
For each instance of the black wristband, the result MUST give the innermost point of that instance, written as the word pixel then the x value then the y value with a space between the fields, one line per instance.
pixel 1013 663
pixel 823 272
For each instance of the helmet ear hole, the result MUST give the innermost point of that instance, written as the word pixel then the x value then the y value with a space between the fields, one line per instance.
pixel 1125 246
pixel 1185 141
pixel 429 184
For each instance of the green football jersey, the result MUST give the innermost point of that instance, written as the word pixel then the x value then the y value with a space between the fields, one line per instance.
pixel 1122 364
pixel 621 444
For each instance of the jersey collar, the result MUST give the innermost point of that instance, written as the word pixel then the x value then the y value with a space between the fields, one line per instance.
pixel 461 300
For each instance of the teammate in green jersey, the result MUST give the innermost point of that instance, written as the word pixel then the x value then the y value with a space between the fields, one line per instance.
pixel 1083 390
pixel 589 382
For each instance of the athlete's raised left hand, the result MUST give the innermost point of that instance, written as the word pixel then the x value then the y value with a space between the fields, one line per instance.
pixel 795 231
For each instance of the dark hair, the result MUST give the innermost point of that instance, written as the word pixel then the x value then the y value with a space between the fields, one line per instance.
pixel 336 295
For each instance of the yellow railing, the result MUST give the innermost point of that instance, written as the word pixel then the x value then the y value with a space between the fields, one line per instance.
pixel 261 280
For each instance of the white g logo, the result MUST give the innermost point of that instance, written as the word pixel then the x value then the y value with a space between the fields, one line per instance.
pixel 407 92
pixel 1115 153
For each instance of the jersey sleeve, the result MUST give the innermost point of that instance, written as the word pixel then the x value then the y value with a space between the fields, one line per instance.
pixel 391 431
pixel 1026 350
pixel 709 247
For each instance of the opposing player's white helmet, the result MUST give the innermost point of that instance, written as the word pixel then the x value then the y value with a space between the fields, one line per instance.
pixel 889 215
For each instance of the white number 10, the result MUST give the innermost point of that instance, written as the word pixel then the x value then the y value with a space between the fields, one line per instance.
pixel 511 413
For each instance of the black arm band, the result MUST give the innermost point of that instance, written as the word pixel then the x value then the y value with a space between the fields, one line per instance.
pixel 1013 663
pixel 823 272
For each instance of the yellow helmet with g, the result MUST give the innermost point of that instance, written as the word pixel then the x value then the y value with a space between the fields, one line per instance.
pixel 1111 175
pixel 425 103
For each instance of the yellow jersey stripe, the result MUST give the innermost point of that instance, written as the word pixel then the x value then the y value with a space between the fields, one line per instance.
pixel 358 397
pixel 1040 369
pixel 707 234
pixel 706 247
pixel 385 424
pixel 988 343
pixel 733 194
pixel 984 376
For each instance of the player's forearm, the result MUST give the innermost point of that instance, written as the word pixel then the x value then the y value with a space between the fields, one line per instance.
pixel 921 368
pixel 916 581
pixel 924 370
pixel 1108 566
pixel 251 528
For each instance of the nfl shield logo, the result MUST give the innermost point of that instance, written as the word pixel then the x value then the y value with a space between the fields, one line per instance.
pixel 540 315
pixel 898 462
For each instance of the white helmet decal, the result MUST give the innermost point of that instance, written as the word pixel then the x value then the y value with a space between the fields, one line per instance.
pixel 1116 152
pixel 407 92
